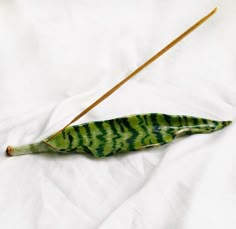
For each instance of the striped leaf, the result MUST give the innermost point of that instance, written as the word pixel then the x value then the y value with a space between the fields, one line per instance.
pixel 130 133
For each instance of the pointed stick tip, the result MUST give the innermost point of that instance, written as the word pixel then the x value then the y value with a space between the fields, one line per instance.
pixel 214 10
pixel 9 150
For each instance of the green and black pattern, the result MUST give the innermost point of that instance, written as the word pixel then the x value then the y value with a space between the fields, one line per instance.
pixel 130 133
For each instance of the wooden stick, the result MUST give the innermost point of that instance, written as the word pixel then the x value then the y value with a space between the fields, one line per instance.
pixel 122 82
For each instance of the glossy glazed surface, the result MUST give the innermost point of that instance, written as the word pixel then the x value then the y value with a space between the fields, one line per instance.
pixel 135 132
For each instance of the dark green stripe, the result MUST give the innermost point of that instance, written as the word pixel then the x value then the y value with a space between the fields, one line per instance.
pixel 141 124
pixel 156 129
pixel 70 139
pixel 63 134
pixel 116 135
pixel 167 119
pixel 80 136
pixel 184 121
pixel 119 121
pixel 195 121
pixel 101 138
pixel 132 131
pixel 89 136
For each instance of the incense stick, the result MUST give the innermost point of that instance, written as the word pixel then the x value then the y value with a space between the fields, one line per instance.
pixel 148 62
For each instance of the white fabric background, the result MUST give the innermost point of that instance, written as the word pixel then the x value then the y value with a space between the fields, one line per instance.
pixel 56 57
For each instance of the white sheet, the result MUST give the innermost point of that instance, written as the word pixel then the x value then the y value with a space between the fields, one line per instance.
pixel 56 57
